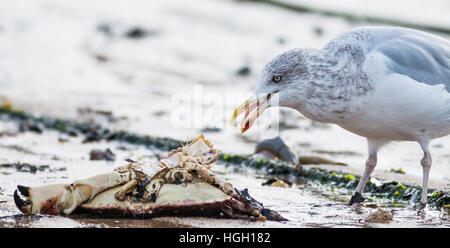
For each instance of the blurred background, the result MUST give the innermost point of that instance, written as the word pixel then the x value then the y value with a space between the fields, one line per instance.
pixel 130 58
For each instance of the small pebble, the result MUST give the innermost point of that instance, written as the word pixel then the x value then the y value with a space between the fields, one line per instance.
pixel 107 155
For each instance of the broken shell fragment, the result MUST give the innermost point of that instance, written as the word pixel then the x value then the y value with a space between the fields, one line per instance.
pixel 276 182
pixel 182 185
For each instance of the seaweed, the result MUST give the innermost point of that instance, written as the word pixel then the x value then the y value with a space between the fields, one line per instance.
pixel 26 167
pixel 92 132
pixel 272 167
pixel 378 188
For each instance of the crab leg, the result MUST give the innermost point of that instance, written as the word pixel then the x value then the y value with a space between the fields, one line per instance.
pixel 200 149
pixel 65 198
pixel 125 189
pixel 211 178
pixel 178 175
pixel 153 187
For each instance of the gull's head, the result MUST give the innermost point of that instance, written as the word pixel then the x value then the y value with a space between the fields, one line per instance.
pixel 281 84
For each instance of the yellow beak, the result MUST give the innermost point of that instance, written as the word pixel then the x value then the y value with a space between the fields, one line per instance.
pixel 253 109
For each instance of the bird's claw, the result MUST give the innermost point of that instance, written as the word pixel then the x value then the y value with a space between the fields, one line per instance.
pixel 356 198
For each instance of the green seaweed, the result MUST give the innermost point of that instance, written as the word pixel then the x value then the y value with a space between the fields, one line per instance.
pixel 377 188
pixel 91 131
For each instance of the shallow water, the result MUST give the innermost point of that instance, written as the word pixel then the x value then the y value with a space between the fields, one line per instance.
pixel 305 204
pixel 57 59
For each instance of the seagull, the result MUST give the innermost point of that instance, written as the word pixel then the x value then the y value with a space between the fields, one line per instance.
pixel 382 83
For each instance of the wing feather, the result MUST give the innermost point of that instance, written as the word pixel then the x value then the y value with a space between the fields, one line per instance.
pixel 418 55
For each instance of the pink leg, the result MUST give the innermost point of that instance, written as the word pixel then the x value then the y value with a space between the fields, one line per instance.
pixel 371 162
pixel 426 166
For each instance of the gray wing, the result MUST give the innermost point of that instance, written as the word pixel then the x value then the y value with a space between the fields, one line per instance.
pixel 418 55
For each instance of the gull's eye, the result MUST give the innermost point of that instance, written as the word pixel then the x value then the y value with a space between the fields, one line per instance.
pixel 276 78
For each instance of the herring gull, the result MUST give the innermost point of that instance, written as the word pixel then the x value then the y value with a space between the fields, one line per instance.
pixel 383 83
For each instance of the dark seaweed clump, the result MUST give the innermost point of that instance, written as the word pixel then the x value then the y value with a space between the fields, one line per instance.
pixel 91 132
pixel 138 33
pixel 270 167
pixel 25 167
pixel 385 189
pixel 269 214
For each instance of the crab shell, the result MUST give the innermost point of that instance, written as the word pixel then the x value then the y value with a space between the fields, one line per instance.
pixel 205 195
pixel 195 199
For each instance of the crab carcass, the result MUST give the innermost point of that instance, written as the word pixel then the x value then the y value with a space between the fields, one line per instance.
pixel 182 184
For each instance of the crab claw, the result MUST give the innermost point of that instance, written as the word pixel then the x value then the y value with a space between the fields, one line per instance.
pixel 23 205
pixel 49 199
pixel 65 198
pixel 24 190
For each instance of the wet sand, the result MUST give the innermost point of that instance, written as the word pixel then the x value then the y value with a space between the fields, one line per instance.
pixel 59 58
pixel 305 203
